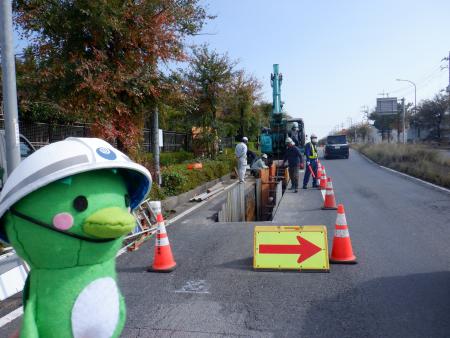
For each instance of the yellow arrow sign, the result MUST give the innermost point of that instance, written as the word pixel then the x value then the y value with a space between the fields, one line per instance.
pixel 291 248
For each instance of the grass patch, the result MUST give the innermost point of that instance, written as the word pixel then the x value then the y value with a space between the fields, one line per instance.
pixel 414 160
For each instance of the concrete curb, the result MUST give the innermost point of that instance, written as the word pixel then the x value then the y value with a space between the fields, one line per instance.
pixel 174 201
pixel 412 178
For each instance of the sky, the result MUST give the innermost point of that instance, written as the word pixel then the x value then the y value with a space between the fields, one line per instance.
pixel 335 55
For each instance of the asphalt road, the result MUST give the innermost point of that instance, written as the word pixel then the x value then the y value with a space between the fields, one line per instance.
pixel 400 232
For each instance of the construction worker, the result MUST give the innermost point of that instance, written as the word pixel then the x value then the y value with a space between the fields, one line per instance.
pixel 311 162
pixel 241 156
pixel 251 157
pixel 294 158
pixel 294 134
pixel 260 163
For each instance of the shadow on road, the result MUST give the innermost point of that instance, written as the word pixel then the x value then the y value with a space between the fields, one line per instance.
pixel 136 269
pixel 245 264
pixel 405 306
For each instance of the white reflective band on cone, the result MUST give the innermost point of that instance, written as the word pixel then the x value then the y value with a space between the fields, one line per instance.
pixel 341 233
pixel 162 229
pixel 162 241
pixel 155 206
pixel 329 192
pixel 341 220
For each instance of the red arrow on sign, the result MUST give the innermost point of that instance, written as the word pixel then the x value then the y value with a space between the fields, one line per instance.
pixel 305 249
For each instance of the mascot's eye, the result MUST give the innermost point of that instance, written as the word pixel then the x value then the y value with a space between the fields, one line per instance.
pixel 127 201
pixel 80 203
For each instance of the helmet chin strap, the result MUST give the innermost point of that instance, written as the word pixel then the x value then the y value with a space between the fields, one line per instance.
pixel 50 227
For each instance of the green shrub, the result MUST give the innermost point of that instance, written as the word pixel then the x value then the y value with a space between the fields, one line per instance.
pixel 166 159
pixel 177 179
pixel 157 193
pixel 172 181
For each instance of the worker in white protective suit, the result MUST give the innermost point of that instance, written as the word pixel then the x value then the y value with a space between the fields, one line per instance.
pixel 241 156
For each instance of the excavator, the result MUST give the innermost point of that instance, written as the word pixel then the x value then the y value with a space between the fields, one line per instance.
pixel 272 139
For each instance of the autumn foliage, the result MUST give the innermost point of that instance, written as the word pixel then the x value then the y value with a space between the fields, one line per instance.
pixel 98 61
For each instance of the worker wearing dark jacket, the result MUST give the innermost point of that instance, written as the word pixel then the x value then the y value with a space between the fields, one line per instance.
pixel 311 162
pixel 294 157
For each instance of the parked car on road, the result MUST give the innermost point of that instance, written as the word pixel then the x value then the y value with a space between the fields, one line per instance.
pixel 26 149
pixel 336 147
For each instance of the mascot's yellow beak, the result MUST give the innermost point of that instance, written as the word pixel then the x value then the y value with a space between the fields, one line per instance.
pixel 109 223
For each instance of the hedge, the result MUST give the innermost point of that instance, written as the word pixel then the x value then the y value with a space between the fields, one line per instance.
pixel 177 179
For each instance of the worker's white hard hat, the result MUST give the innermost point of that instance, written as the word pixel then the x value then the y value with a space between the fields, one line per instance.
pixel 288 140
pixel 313 136
pixel 292 143
pixel 264 155
pixel 69 157
pixel 244 139
pixel 295 125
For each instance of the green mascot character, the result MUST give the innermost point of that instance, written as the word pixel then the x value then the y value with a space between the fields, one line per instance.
pixel 65 210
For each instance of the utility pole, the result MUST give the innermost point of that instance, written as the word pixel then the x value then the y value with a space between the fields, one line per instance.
pixel 404 113
pixel 156 146
pixel 9 87
pixel 448 59
pixel 415 104
pixel 365 111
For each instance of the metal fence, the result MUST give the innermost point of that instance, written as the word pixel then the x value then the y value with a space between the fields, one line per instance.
pixel 41 134
pixel 228 142
pixel 172 141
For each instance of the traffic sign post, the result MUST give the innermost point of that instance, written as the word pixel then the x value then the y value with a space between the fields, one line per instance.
pixel 291 248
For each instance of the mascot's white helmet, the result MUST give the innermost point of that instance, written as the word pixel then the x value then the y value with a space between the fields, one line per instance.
pixel 69 157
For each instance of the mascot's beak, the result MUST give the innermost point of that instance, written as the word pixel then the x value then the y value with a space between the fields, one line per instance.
pixel 109 223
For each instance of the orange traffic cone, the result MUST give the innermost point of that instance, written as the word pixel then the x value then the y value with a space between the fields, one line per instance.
pixel 342 251
pixel 163 260
pixel 330 202
pixel 323 179
pixel 318 176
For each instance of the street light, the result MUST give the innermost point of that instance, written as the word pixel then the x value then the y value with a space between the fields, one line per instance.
pixel 415 104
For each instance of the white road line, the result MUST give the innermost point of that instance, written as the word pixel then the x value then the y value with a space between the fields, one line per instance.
pixel 11 316
pixel 406 175
pixel 18 312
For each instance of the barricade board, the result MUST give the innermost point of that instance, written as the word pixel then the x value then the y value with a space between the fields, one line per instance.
pixel 291 248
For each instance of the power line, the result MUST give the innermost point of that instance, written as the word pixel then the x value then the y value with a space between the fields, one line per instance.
pixel 423 82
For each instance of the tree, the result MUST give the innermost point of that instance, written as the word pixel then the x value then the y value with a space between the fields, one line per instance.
pixel 432 113
pixel 386 123
pixel 98 60
pixel 207 78
pixel 363 130
pixel 239 106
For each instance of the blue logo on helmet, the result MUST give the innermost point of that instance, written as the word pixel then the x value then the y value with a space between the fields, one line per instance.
pixel 106 153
